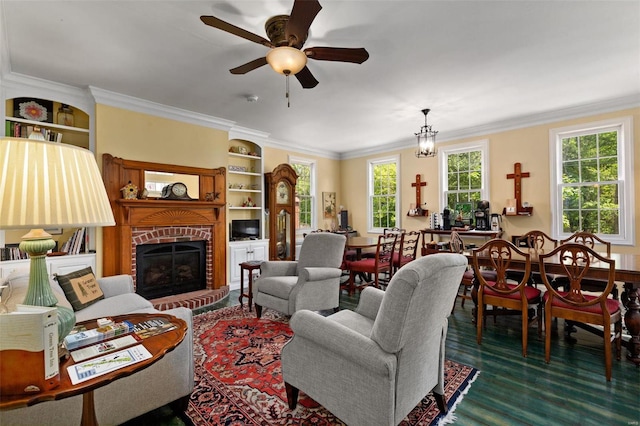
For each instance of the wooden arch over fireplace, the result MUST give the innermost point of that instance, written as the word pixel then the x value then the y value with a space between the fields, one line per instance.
pixel 139 221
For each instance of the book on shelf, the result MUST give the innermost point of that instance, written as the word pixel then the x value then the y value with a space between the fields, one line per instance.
pixel 76 243
pixel 19 130
pixel 29 360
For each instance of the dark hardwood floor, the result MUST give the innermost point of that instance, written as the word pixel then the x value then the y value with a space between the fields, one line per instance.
pixel 512 390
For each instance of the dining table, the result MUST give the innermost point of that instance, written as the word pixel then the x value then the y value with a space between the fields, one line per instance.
pixel 627 270
pixel 359 243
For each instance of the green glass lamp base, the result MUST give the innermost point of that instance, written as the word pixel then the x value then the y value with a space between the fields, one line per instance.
pixel 39 293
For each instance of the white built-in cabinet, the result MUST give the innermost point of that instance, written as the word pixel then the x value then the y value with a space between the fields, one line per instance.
pixel 55 265
pixel 244 251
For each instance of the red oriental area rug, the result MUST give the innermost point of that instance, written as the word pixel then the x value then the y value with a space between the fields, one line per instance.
pixel 238 380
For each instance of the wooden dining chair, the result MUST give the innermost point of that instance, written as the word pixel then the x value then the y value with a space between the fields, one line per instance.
pixel 588 239
pixel 456 245
pixel 538 242
pixel 375 266
pixel 573 304
pixel 518 298
pixel 407 249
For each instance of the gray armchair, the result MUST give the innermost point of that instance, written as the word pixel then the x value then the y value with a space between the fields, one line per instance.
pixel 374 365
pixel 312 282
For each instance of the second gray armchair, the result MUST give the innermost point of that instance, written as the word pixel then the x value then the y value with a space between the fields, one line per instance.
pixel 372 366
pixel 312 282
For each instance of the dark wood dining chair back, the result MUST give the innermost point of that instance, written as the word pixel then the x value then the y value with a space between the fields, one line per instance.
pixel 538 241
pixel 381 263
pixel 519 298
pixel 576 305
pixel 407 248
pixel 588 239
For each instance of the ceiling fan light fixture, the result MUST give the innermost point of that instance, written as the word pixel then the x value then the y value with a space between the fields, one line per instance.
pixel 286 60
pixel 426 139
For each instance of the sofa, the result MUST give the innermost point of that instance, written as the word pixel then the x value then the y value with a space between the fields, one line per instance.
pixel 168 381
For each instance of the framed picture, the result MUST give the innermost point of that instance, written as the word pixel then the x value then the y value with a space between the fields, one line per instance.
pixel 329 204
pixel 33 109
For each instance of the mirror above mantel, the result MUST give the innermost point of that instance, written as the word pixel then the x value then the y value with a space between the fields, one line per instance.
pixel 154 181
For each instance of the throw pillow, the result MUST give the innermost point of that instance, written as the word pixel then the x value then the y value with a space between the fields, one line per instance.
pixel 81 288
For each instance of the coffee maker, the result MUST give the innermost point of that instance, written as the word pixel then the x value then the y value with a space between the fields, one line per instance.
pixel 446 219
pixel 482 215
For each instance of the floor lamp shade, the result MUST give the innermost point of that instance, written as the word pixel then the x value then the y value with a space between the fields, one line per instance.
pixel 49 185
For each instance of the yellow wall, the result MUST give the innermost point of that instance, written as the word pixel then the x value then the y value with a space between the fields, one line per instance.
pixel 529 146
pixel 328 178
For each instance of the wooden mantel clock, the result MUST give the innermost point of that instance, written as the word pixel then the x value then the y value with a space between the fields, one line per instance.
pixel 281 202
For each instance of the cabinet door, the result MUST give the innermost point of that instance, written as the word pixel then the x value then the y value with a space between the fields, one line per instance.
pixel 237 255
pixel 67 264
pixel 260 251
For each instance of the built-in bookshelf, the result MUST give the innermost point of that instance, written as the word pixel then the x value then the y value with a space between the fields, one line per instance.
pixel 63 123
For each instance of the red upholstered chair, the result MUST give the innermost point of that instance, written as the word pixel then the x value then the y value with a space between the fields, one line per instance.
pixel 574 305
pixel 381 263
pixel 516 298
pixel 407 248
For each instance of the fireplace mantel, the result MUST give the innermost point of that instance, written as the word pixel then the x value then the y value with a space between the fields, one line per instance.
pixel 133 215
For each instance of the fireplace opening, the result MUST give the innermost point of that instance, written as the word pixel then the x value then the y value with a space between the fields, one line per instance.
pixel 166 269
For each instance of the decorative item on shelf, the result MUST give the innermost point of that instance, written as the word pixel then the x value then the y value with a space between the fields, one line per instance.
pixel 249 203
pixel 417 208
pixel 144 194
pixel 426 139
pixel 175 191
pixel 65 115
pixel 36 134
pixel 211 196
pixel 33 109
pixel 520 208
pixel 55 185
pixel 129 191
pixel 233 168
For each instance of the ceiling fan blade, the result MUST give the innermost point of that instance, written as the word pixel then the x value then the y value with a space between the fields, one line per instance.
pixel 302 15
pixel 214 22
pixel 249 66
pixel 306 79
pixel 340 54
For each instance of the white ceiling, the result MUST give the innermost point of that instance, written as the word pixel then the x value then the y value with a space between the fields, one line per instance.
pixel 476 64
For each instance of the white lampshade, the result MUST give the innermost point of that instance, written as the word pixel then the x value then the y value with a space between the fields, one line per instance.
pixel 286 60
pixel 46 185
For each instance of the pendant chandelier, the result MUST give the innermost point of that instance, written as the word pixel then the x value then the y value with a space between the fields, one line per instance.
pixel 426 139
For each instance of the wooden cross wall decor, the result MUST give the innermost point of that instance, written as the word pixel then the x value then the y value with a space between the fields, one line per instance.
pixel 517 176
pixel 418 184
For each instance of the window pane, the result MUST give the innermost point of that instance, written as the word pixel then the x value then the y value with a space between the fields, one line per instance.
pixel 570 198
pixel 609 196
pixel 608 144
pixel 609 169
pixel 589 197
pixel 570 149
pixel 588 147
pixel 571 172
pixel 609 222
pixel 590 221
pixel 571 221
pixel 589 171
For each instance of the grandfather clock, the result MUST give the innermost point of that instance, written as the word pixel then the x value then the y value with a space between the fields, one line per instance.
pixel 280 194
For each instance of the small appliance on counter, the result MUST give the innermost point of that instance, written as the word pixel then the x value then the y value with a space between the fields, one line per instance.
pixel 446 219
pixel 496 222
pixel 482 214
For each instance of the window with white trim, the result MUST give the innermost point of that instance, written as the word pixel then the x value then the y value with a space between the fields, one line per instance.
pixel 305 194
pixel 383 192
pixel 464 174
pixel 592 180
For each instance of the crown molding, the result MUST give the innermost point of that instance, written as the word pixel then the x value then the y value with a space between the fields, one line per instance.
pixel 519 122
pixel 131 103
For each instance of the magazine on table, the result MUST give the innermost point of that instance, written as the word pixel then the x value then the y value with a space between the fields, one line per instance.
pixel 96 367
pixel 153 327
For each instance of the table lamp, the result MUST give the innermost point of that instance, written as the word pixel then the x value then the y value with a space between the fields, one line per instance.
pixel 49 185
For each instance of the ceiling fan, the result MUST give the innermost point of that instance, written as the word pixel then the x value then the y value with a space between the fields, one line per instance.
pixel 287 34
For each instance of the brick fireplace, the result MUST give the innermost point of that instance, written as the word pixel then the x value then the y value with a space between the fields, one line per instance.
pixel 146 221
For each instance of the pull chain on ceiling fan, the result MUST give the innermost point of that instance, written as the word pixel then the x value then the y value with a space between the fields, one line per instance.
pixel 287 34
